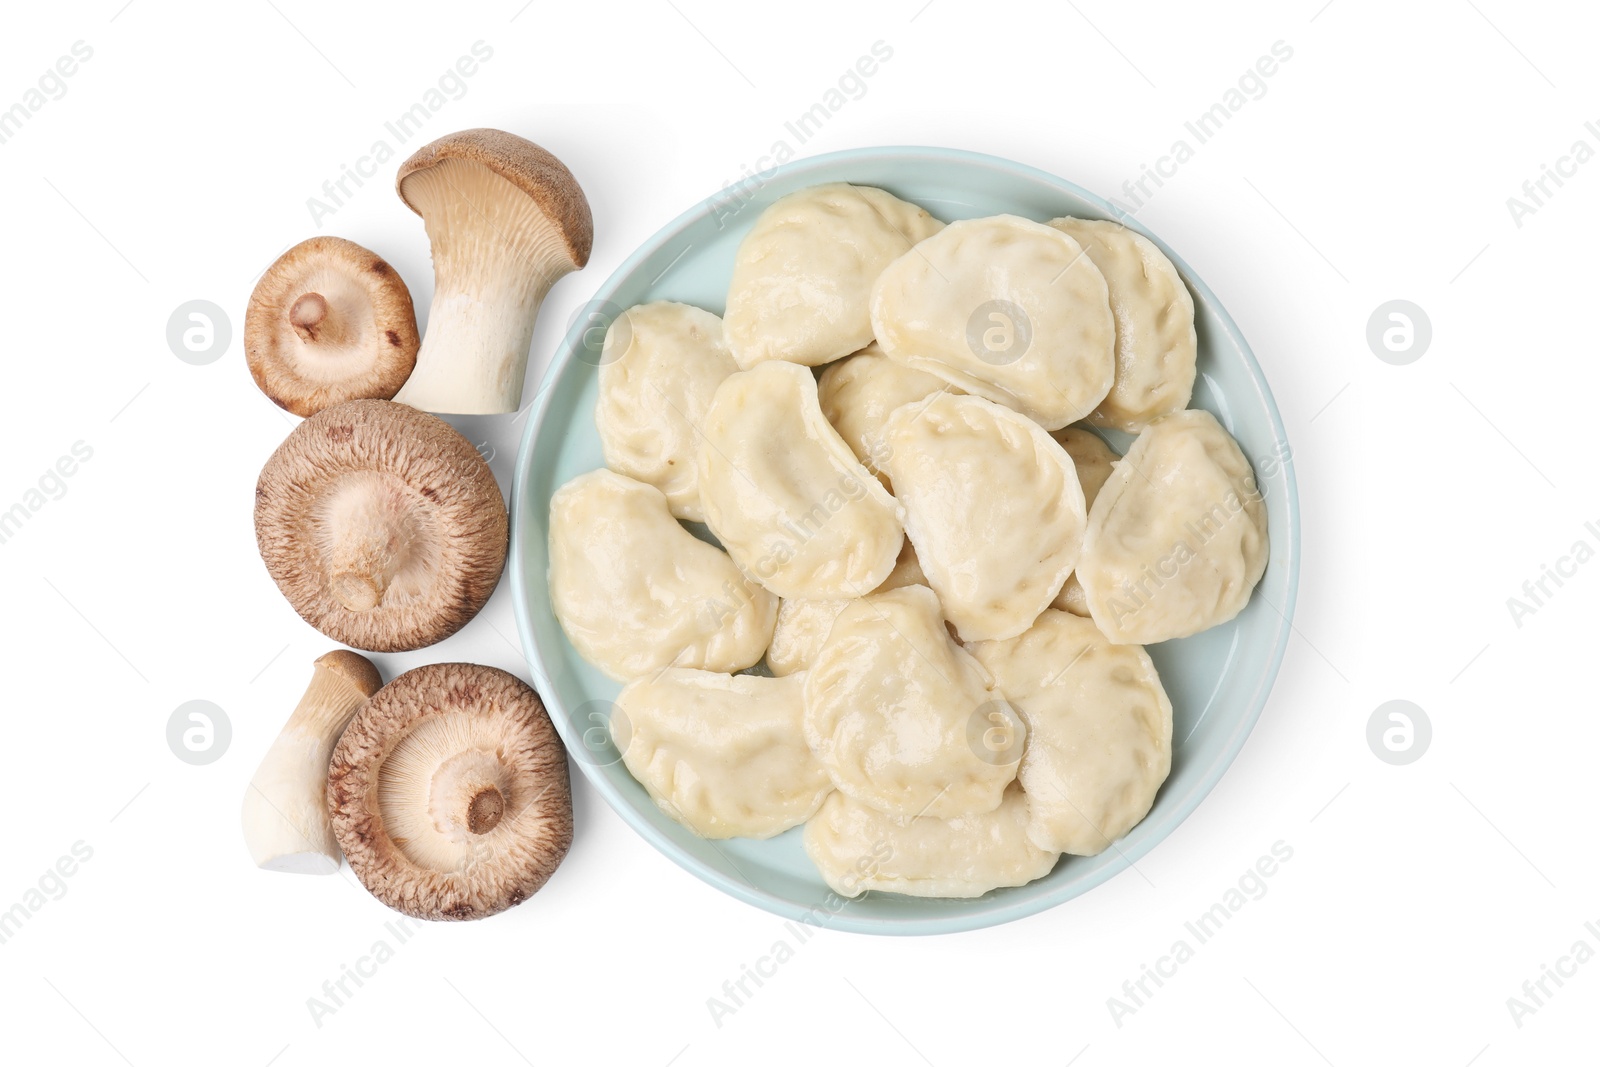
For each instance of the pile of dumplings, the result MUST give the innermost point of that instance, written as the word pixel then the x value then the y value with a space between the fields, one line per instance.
pixel 947 573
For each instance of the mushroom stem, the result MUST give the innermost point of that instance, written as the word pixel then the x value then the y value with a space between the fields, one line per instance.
pixel 483 814
pixel 285 813
pixel 307 314
pixel 475 354
pixel 316 320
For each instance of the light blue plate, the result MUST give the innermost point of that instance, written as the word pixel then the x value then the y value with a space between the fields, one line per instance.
pixel 1218 680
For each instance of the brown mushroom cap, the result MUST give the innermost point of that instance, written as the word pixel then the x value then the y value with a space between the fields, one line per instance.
pixel 328 322
pixel 540 175
pixel 354 668
pixel 449 793
pixel 382 525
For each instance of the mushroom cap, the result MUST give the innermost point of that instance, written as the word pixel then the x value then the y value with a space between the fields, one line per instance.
pixel 328 322
pixel 354 668
pixel 525 165
pixel 382 525
pixel 449 793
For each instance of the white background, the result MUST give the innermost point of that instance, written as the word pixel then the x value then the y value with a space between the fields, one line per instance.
pixel 1377 165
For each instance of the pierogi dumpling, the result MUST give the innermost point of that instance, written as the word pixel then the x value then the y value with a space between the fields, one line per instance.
pixel 724 754
pixel 1093 460
pixel 992 504
pixel 803 625
pixel 1006 309
pixel 1099 730
pixel 857 848
pixel 858 393
pixel 655 392
pixel 902 718
pixel 803 274
pixel 1177 538
pixel 636 592
pixel 1155 324
pixel 784 493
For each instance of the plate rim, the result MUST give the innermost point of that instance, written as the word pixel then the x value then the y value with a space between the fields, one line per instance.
pixel 999 910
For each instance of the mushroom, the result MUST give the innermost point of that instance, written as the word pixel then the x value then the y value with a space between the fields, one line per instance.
pixel 329 322
pixel 505 219
pixel 381 525
pixel 449 793
pixel 285 812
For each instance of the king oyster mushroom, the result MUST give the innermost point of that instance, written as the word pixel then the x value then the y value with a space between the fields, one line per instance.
pixel 285 812
pixel 382 525
pixel 449 793
pixel 329 322
pixel 506 219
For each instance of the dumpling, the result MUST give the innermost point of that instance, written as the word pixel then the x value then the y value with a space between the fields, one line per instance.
pixel 1007 309
pixel 661 364
pixel 858 393
pixel 1099 730
pixel 724 754
pixel 1155 324
pixel 636 592
pixel 786 496
pixel 902 719
pixel 993 506
pixel 1093 460
pixel 803 625
pixel 803 274
pixel 857 848
pixel 1177 538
